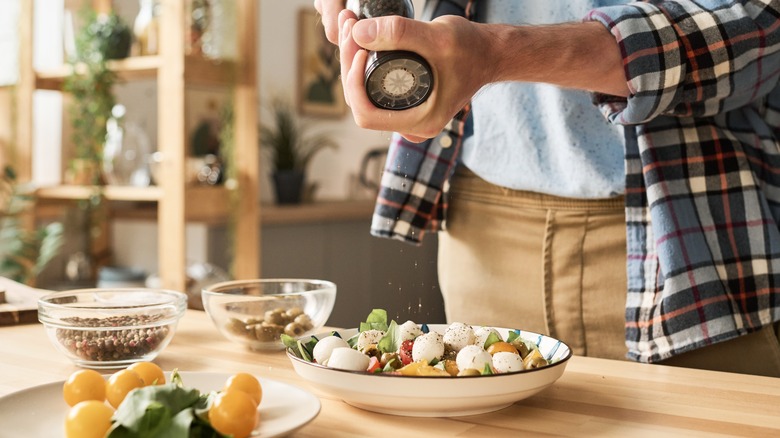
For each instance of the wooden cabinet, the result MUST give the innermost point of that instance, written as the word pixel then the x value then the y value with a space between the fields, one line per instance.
pixel 176 201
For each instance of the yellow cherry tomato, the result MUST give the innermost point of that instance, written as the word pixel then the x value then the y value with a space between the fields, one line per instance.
pixel 84 385
pixel 247 383
pixel 88 419
pixel 497 347
pixel 119 384
pixel 233 413
pixel 149 372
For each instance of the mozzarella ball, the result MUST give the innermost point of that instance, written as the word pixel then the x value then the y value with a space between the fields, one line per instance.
pixel 473 357
pixel 345 358
pixel 457 336
pixel 325 346
pixel 481 335
pixel 369 337
pixel 506 362
pixel 428 347
pixel 409 331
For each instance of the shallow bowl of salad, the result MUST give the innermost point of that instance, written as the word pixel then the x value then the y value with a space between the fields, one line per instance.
pixel 255 313
pixel 428 370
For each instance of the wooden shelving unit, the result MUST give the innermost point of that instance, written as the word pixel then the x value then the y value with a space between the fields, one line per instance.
pixel 175 201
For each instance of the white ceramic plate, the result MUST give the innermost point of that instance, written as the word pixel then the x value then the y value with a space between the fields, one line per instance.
pixel 39 412
pixel 436 396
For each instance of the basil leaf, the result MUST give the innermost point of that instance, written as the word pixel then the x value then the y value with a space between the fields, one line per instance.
pixel 491 339
pixel 391 340
pixel 150 410
pixel 376 320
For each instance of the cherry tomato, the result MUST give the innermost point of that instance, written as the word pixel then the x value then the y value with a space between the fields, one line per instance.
pixel 405 351
pixel 500 346
pixel 149 372
pixel 120 383
pixel 88 419
pixel 247 383
pixel 84 385
pixel 233 413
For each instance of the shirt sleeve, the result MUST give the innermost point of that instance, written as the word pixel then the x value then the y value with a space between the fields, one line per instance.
pixel 692 58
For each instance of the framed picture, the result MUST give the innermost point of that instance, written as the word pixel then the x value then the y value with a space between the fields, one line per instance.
pixel 319 84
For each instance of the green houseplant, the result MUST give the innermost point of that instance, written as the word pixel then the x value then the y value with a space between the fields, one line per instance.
pixel 103 37
pixel 291 144
pixel 23 252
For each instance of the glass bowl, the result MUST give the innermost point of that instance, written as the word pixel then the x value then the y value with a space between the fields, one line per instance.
pixel 255 313
pixel 111 328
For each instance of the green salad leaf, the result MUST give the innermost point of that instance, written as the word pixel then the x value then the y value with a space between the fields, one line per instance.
pixel 376 320
pixel 491 339
pixel 157 411
pixel 391 340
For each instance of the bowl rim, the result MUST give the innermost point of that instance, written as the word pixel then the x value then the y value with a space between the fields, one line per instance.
pixel 561 362
pixel 212 289
pixel 177 299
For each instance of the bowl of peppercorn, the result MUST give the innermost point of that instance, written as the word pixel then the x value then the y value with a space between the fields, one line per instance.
pixel 107 328
pixel 255 313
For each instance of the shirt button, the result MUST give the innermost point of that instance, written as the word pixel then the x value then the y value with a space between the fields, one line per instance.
pixel 445 141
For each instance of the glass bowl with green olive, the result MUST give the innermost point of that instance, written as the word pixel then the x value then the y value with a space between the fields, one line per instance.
pixel 255 313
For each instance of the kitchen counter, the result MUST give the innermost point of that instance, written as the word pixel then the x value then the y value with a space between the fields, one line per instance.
pixel 594 397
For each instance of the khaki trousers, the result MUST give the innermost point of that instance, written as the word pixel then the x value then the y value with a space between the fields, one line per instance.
pixel 555 266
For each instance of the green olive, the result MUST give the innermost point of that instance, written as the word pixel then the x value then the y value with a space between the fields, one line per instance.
pixel 266 332
pixel 294 329
pixel 276 317
pixel 534 362
pixel 304 320
pixel 392 359
pixel 370 350
pixel 292 313
pixel 521 347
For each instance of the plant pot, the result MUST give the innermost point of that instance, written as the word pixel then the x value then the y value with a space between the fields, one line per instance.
pixel 289 186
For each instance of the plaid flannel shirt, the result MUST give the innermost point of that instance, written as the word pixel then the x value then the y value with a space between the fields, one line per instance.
pixel 702 164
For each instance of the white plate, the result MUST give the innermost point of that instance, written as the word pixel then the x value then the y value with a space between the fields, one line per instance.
pixel 436 396
pixel 39 412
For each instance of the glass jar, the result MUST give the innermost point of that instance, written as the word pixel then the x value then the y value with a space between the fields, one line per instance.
pixel 126 152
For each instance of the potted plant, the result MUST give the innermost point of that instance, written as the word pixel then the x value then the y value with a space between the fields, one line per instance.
pixel 103 37
pixel 291 146
pixel 23 252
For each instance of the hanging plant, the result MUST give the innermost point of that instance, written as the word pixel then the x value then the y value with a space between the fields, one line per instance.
pixel 103 37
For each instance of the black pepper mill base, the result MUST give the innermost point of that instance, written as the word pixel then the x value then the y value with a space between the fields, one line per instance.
pixel 398 80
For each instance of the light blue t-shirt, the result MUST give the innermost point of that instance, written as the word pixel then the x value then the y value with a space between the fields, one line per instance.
pixel 539 137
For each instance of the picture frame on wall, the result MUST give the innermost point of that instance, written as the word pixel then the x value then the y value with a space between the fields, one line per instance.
pixel 320 92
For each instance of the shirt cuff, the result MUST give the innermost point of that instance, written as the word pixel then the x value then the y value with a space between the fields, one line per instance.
pixel 654 64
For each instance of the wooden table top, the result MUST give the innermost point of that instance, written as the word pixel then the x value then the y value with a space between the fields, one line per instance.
pixel 594 397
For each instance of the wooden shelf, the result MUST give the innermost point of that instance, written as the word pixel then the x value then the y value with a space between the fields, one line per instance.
pixel 173 202
pixel 197 71
pixel 112 193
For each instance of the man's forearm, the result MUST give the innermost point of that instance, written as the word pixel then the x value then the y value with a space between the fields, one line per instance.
pixel 576 55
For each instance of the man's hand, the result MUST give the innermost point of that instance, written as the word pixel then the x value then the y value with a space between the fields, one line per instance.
pixel 464 57
pixel 329 10
pixel 450 44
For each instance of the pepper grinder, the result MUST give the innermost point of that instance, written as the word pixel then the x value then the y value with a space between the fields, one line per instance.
pixel 395 80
